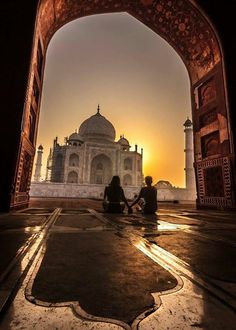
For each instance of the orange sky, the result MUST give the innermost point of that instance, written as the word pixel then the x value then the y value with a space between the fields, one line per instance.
pixel 139 81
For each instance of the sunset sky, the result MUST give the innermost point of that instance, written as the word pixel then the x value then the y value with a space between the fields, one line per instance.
pixel 139 81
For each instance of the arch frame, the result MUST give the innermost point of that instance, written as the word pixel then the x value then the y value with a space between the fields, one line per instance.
pixel 73 160
pixel 204 62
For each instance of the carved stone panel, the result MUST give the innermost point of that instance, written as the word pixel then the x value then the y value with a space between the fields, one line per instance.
pixel 208 117
pixel 210 144
pixel 26 171
pixel 36 91
pixel 31 123
pixel 39 59
pixel 207 93
pixel 214 184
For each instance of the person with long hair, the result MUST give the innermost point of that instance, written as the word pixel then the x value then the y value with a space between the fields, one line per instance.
pixel 114 197
pixel 149 195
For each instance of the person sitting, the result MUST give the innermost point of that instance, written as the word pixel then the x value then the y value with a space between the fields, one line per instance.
pixel 149 195
pixel 114 197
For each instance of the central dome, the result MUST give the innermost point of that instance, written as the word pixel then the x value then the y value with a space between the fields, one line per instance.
pixel 97 127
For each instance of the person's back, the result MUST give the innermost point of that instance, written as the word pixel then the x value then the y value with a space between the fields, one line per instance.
pixel 114 198
pixel 149 194
pixel 114 194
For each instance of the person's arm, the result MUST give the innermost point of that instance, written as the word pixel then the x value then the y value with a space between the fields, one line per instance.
pixel 124 198
pixel 137 199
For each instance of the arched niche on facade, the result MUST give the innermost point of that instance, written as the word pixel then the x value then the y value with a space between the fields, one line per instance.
pixel 101 169
pixel 127 180
pixel 128 164
pixel 185 27
pixel 72 177
pixel 74 160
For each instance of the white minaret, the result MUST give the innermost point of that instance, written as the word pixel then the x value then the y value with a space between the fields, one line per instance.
pixel 38 164
pixel 189 170
pixel 49 166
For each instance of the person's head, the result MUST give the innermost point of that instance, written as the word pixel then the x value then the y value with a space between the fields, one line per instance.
pixel 115 181
pixel 148 180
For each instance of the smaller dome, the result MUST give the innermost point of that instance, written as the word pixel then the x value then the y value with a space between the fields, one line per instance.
pixel 75 137
pixel 163 184
pixel 40 147
pixel 123 141
pixel 188 123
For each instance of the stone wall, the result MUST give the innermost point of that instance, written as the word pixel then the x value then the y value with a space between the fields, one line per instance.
pixel 175 194
pixel 49 189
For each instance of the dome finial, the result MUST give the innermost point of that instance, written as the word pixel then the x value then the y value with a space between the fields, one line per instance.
pixel 98 110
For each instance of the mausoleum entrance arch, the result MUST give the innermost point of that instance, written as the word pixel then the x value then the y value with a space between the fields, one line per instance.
pixel 183 25
pixel 101 170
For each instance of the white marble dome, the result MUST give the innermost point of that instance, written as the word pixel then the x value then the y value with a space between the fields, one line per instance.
pixel 97 127
pixel 123 141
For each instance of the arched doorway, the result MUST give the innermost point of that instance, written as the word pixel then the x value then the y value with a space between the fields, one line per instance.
pixel 74 160
pixel 128 164
pixel 72 177
pixel 101 170
pixel 127 180
pixel 187 30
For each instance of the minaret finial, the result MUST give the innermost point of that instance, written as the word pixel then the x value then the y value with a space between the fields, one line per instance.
pixel 98 109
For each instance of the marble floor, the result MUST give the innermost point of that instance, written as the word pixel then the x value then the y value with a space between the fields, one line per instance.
pixel 67 265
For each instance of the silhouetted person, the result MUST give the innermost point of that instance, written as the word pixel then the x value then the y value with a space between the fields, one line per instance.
pixel 114 197
pixel 149 195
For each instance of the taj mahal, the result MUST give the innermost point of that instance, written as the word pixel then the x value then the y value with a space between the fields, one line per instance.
pixel 89 157
pixel 86 162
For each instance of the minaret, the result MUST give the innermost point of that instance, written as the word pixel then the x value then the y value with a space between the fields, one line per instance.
pixel 38 164
pixel 49 166
pixel 189 170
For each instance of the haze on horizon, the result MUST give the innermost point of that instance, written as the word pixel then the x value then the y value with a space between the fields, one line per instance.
pixel 138 79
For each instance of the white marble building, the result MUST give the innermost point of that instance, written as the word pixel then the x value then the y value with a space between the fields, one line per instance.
pixel 90 157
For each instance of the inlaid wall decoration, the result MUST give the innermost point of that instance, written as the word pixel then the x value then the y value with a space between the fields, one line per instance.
pixel 26 171
pixel 32 123
pixel 36 91
pixel 39 59
pixel 210 144
pixel 214 184
pixel 177 21
pixel 207 93
pixel 208 117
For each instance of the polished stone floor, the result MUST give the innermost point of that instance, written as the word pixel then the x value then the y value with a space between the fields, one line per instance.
pixel 67 265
